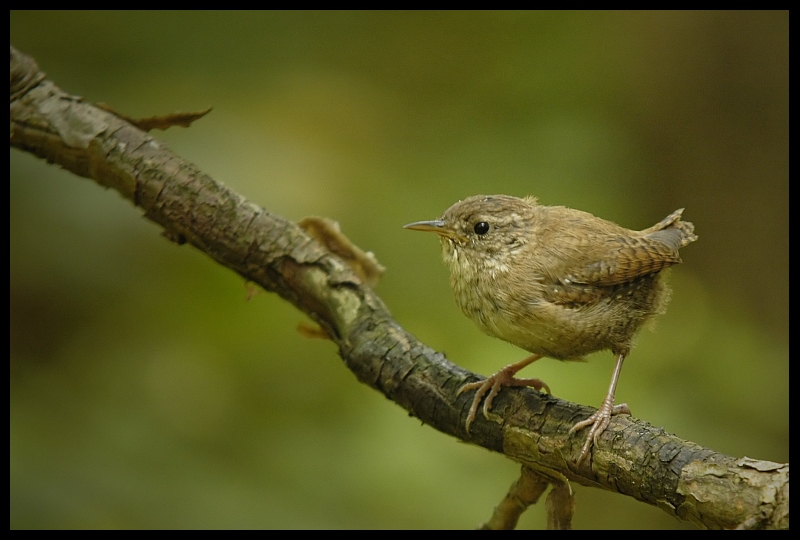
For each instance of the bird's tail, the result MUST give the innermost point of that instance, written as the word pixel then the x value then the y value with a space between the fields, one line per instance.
pixel 673 222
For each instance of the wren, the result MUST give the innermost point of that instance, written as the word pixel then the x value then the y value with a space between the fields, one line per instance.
pixel 556 282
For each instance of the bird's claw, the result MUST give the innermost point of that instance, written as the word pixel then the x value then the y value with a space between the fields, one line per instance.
pixel 493 385
pixel 599 422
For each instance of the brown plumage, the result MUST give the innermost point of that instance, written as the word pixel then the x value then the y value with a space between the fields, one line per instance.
pixel 556 282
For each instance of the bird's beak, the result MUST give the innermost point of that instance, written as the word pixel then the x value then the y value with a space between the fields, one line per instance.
pixel 437 226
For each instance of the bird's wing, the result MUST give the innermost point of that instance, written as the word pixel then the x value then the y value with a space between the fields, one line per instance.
pixel 622 259
pixel 592 254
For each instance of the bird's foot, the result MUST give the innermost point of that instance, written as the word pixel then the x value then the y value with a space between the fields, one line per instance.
pixel 495 383
pixel 599 422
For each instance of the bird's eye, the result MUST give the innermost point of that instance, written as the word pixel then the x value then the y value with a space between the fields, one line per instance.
pixel 481 228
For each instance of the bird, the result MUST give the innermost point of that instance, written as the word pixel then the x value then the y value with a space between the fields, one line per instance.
pixel 556 282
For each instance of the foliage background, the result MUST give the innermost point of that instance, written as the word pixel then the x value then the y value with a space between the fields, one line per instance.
pixel 146 392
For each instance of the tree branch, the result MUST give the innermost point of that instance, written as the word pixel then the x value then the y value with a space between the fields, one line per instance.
pixel 632 457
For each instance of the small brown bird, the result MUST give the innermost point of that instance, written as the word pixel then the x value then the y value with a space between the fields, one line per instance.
pixel 556 282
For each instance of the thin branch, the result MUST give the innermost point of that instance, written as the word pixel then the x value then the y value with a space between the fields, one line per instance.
pixel 632 457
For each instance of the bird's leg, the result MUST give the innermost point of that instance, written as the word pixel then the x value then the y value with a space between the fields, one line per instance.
pixel 495 383
pixel 602 416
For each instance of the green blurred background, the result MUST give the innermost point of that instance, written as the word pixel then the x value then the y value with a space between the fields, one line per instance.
pixel 147 392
